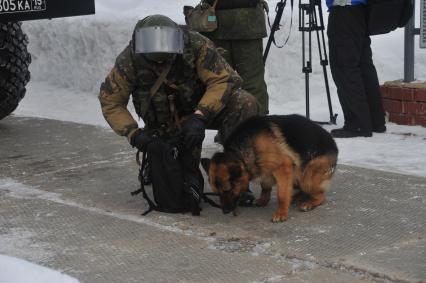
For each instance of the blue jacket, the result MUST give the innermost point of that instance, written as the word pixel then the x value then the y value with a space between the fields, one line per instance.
pixel 331 3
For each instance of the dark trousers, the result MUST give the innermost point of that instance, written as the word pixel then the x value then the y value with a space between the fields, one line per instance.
pixel 246 57
pixel 352 68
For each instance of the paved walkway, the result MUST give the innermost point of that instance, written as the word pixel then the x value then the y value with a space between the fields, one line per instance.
pixel 65 203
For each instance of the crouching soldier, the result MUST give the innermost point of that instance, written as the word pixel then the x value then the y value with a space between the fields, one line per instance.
pixel 179 85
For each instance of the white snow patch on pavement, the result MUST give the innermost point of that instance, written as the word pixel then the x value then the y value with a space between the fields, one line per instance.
pixel 14 270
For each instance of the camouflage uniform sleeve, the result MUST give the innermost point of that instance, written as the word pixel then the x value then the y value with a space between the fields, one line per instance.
pixel 114 95
pixel 219 78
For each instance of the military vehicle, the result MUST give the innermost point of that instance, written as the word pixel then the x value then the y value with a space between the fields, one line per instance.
pixel 14 56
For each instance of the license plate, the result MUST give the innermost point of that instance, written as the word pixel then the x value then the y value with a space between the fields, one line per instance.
pixel 18 6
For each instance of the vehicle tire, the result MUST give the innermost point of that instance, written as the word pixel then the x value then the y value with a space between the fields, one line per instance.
pixel 14 62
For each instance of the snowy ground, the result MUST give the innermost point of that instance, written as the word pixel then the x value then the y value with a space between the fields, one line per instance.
pixel 381 152
pixel 71 57
pixel 13 270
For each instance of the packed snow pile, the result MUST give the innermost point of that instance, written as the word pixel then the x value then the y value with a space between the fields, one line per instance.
pixel 78 52
pixel 14 270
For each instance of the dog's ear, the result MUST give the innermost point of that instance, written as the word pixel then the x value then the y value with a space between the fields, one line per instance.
pixel 205 162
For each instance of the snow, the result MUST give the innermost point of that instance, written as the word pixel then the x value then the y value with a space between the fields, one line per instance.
pixel 14 270
pixel 72 56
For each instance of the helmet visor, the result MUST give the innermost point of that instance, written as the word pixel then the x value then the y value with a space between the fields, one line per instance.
pixel 159 40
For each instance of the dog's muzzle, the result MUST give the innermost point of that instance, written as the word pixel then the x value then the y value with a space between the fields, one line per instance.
pixel 229 206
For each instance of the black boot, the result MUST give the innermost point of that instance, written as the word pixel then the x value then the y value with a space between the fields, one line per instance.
pixel 380 129
pixel 349 133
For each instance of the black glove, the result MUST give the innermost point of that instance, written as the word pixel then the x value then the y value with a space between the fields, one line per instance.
pixel 140 140
pixel 193 131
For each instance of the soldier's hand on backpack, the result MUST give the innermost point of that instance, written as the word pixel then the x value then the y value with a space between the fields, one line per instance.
pixel 193 130
pixel 140 140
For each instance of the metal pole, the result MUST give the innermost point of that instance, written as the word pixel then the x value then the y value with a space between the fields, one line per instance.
pixel 422 29
pixel 409 49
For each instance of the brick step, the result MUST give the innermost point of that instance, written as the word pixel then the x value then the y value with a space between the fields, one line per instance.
pixel 405 102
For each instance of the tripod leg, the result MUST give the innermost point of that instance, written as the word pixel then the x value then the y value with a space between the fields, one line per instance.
pixel 323 58
pixel 307 95
pixel 305 64
pixel 333 117
pixel 309 63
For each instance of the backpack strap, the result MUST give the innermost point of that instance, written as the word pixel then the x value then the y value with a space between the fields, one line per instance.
pixel 142 190
pixel 291 24
pixel 210 201
pixel 154 89
pixel 215 4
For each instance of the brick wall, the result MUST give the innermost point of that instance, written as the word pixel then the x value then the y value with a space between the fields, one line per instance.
pixel 405 102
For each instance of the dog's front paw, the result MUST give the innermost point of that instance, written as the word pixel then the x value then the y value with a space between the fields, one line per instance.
pixel 261 202
pixel 279 216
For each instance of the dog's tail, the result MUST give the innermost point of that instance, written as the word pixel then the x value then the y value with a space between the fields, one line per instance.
pixel 317 173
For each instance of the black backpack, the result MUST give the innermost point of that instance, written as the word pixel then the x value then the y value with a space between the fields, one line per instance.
pixel 386 15
pixel 164 166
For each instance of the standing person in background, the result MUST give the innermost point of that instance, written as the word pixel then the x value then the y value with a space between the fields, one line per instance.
pixel 353 70
pixel 241 27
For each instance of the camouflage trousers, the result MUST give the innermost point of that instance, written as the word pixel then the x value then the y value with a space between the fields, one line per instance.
pixel 240 106
pixel 246 57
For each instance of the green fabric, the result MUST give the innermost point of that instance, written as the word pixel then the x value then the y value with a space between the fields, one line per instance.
pixel 242 23
pixel 245 56
pixel 160 80
pixel 240 106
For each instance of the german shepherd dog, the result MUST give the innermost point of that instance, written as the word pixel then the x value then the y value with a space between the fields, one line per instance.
pixel 289 151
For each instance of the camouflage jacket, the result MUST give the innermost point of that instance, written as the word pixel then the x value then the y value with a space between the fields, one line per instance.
pixel 199 79
pixel 247 22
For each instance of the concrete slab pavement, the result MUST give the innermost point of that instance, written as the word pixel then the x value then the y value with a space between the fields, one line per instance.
pixel 65 203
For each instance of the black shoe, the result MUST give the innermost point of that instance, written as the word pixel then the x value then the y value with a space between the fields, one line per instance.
pixel 247 198
pixel 380 129
pixel 346 133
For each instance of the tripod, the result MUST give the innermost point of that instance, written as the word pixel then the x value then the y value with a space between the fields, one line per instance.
pixel 312 11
